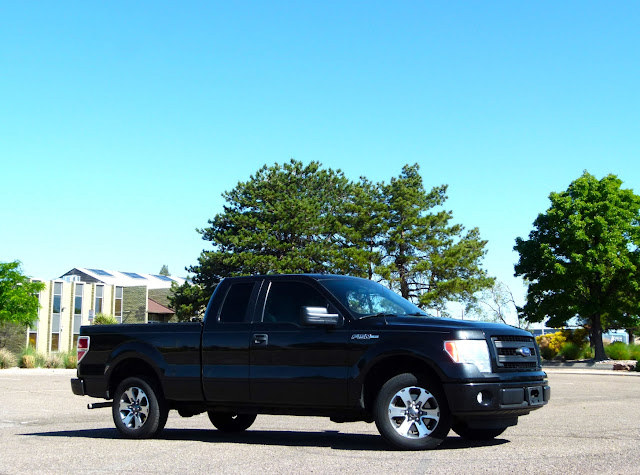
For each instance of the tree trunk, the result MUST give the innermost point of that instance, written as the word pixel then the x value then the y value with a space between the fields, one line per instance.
pixel 632 337
pixel 404 288
pixel 596 338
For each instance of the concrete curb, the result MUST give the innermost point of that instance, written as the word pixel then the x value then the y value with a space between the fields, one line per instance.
pixel 585 365
pixel 598 372
pixel 37 371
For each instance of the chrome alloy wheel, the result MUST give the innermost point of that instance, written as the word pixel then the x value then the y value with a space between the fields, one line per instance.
pixel 134 408
pixel 414 412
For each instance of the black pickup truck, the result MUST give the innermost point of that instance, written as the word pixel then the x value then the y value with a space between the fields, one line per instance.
pixel 315 345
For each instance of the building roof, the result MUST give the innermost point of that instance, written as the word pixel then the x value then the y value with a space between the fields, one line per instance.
pixel 124 279
pixel 155 307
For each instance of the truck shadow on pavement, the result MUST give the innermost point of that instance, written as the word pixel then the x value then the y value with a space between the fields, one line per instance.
pixel 332 439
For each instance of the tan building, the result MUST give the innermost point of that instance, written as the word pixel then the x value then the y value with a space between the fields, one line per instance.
pixel 77 296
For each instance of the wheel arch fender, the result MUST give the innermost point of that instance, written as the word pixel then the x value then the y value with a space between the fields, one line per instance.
pixel 387 365
pixel 134 359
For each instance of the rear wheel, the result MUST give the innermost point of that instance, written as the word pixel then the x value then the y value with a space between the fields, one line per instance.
pixel 138 409
pixel 229 422
pixel 477 434
pixel 411 413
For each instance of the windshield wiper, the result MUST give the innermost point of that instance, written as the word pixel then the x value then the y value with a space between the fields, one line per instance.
pixel 380 314
pixel 392 314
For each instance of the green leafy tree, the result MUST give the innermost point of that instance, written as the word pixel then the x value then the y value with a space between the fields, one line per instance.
pixel 18 295
pixel 427 258
pixel 164 270
pixel 188 300
pixel 582 259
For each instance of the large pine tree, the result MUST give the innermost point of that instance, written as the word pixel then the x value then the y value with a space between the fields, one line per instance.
pixel 426 257
pixel 296 218
pixel 285 219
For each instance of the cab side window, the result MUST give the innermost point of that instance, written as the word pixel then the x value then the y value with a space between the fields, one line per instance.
pixel 236 303
pixel 286 299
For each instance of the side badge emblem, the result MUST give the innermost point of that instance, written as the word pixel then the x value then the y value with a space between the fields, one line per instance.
pixel 364 336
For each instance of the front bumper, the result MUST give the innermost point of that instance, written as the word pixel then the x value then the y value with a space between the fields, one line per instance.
pixel 506 399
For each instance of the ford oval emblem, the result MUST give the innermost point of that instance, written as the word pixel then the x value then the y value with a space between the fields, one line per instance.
pixel 524 351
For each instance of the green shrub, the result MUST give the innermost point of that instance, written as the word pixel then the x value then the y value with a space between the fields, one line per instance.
pixel 587 352
pixel 69 360
pixel 573 351
pixel 28 361
pixel 570 351
pixel 103 319
pixel 550 344
pixel 7 359
pixel 617 351
pixel 547 353
pixel 579 336
pixel 54 361
pixel 570 344
pixel 30 358
pixel 634 351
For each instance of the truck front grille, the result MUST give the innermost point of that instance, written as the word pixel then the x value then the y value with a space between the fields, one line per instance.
pixel 515 352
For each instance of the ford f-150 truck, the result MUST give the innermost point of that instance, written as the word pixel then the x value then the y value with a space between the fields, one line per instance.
pixel 315 345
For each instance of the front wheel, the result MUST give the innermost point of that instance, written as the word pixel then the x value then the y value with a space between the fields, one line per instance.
pixel 412 413
pixel 228 422
pixel 477 434
pixel 138 410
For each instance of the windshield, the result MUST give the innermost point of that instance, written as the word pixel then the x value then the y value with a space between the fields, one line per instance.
pixel 365 298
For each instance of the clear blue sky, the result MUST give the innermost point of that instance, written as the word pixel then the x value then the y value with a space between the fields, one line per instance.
pixel 121 123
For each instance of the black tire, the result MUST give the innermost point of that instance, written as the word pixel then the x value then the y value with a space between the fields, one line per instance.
pixel 229 422
pixel 411 413
pixel 138 409
pixel 477 434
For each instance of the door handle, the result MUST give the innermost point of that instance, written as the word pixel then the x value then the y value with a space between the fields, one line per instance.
pixel 260 339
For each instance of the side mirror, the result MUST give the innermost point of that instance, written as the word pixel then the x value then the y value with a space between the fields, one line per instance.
pixel 319 316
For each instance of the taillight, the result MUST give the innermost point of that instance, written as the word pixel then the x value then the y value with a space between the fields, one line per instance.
pixel 83 347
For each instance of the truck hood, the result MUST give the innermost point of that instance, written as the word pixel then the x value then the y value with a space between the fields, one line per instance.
pixel 451 324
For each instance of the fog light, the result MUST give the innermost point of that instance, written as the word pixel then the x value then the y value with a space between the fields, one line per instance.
pixel 484 398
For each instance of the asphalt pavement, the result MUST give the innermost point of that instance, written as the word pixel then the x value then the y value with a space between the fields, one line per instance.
pixel 592 424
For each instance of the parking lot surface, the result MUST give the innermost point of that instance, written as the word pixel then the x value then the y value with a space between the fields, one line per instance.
pixel 592 424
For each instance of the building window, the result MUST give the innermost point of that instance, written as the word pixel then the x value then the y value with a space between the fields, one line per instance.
pixel 118 305
pixel 55 342
pixel 33 338
pixel 99 297
pixel 55 316
pixel 33 332
pixel 33 329
pixel 77 312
